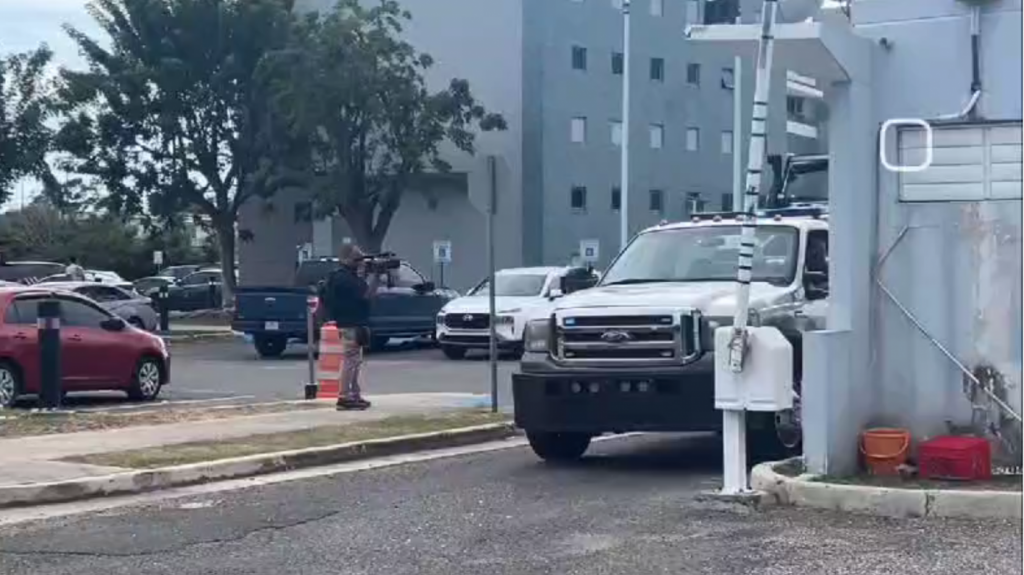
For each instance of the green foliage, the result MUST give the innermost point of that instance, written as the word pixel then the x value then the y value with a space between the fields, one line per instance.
pixel 25 106
pixel 173 116
pixel 355 94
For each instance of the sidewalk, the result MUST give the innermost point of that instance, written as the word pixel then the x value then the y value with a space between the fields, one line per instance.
pixel 34 459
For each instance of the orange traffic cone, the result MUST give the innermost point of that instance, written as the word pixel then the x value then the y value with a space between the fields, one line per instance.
pixel 330 362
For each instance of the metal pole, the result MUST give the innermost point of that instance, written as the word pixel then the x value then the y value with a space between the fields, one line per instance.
pixel 624 145
pixel 48 324
pixel 734 424
pixel 493 344
pixel 164 296
pixel 737 134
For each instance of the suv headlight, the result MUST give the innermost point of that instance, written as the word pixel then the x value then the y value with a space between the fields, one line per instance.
pixel 440 319
pixel 535 337
pixel 505 320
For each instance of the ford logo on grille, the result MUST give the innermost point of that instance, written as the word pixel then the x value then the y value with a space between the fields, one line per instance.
pixel 616 336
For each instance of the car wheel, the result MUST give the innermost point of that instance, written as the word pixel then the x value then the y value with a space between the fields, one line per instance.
pixel 270 346
pixel 147 380
pixel 558 447
pixel 452 352
pixel 10 385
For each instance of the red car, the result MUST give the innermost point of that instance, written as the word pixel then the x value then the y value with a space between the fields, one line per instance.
pixel 99 351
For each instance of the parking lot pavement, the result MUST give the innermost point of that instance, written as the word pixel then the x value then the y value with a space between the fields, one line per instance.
pixel 213 371
pixel 630 508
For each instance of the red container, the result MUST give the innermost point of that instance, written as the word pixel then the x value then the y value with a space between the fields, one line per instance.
pixel 957 458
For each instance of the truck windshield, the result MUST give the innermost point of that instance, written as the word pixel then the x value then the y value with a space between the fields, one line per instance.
pixel 513 285
pixel 709 253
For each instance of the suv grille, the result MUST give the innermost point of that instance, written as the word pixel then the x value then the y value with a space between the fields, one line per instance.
pixel 467 320
pixel 621 339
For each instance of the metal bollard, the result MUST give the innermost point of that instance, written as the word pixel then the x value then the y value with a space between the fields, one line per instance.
pixel 211 293
pixel 163 304
pixel 48 324
pixel 312 302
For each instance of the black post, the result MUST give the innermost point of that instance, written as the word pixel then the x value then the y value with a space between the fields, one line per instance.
pixel 211 292
pixel 164 304
pixel 48 323
pixel 311 387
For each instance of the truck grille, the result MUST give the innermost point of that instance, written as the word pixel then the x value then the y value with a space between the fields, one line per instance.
pixel 467 320
pixel 657 339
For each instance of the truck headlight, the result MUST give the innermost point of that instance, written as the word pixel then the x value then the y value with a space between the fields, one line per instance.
pixel 536 334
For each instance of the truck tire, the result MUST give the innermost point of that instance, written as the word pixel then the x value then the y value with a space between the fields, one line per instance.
pixel 558 447
pixel 764 443
pixel 270 346
pixel 453 352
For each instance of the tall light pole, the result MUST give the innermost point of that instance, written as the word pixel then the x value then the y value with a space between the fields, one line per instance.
pixel 624 143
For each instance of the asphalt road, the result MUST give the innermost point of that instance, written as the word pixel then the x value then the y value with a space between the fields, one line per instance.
pixel 629 509
pixel 225 369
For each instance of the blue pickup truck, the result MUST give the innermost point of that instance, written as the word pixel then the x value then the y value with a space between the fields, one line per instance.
pixel 406 305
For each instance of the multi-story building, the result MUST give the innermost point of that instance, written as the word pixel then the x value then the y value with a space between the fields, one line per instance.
pixel 554 69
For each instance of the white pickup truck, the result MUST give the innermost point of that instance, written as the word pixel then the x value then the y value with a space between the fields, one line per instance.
pixel 635 352
pixel 464 323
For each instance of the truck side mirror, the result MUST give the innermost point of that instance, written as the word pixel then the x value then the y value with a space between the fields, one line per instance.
pixel 815 285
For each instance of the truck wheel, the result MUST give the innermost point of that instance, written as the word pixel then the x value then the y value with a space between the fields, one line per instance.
pixel 558 447
pixel 452 352
pixel 767 442
pixel 270 346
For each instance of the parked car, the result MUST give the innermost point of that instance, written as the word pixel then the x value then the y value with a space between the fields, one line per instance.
pixel 107 278
pixel 405 306
pixel 150 286
pixel 178 272
pixel 132 307
pixel 464 323
pixel 198 290
pixel 28 272
pixel 99 351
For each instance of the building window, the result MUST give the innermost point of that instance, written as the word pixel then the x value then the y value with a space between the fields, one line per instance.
pixel 615 127
pixel 726 202
pixel 657 133
pixel 579 58
pixel 578 198
pixel 692 139
pixel 721 12
pixel 616 199
pixel 795 106
pixel 617 63
pixel 657 7
pixel 656 201
pixel 693 203
pixel 658 69
pixel 726 141
pixel 693 74
pixel 578 130
pixel 692 12
pixel 728 79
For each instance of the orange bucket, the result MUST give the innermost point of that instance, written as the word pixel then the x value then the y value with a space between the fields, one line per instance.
pixel 884 449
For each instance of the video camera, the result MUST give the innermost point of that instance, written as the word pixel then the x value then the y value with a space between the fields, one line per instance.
pixel 380 263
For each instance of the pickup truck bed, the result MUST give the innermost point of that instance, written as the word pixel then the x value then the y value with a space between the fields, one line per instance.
pixel 273 316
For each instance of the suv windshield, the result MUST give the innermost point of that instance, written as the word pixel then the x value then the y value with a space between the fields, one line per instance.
pixel 513 285
pixel 705 254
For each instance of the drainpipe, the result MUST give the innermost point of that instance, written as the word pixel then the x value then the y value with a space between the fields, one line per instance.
pixel 971 109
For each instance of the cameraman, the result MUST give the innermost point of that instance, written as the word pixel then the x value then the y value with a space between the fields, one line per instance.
pixel 348 306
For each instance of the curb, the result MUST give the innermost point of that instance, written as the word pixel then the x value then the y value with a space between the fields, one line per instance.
pixel 180 476
pixel 172 338
pixel 803 491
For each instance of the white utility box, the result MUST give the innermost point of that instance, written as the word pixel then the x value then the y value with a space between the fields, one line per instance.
pixel 766 382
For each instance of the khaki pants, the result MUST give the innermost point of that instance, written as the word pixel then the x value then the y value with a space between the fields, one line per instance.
pixel 352 363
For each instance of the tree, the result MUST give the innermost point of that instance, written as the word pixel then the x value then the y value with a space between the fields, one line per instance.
pixel 354 93
pixel 25 106
pixel 174 115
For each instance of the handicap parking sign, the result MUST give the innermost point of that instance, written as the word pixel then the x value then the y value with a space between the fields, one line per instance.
pixel 590 250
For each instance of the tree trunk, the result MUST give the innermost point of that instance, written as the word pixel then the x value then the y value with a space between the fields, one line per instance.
pixel 226 242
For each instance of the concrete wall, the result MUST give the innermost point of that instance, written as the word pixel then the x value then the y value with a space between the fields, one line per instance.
pixel 958 268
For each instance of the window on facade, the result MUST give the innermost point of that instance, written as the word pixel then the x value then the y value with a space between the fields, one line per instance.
pixel 728 79
pixel 658 69
pixel 795 106
pixel 692 12
pixel 656 201
pixel 693 74
pixel 692 139
pixel 615 127
pixel 657 7
pixel 616 198
pixel 721 11
pixel 726 141
pixel 726 202
pixel 579 58
pixel 578 130
pixel 578 198
pixel 657 134
pixel 617 63
pixel 694 203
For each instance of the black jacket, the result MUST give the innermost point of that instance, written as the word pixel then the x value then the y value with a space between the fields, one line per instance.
pixel 348 300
